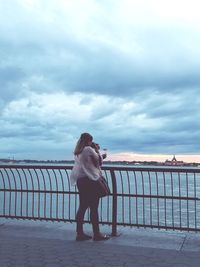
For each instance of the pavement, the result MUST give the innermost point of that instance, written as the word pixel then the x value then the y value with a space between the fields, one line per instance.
pixel 42 244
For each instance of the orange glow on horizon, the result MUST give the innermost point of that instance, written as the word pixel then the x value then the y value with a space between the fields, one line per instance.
pixel 126 156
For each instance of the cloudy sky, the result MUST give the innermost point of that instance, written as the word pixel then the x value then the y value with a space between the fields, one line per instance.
pixel 127 71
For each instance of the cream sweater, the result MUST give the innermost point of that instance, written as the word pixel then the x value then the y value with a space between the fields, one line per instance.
pixel 86 164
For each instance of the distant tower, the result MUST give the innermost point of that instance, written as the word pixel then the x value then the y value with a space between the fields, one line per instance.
pixel 174 158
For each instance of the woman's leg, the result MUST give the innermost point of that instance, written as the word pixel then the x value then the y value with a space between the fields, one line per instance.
pixel 94 216
pixel 83 204
pixel 88 198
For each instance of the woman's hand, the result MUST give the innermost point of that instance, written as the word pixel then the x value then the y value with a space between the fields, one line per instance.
pixel 104 155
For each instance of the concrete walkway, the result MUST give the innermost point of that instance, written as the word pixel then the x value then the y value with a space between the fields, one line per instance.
pixel 31 244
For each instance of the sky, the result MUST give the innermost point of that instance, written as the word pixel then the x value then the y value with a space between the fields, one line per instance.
pixel 126 71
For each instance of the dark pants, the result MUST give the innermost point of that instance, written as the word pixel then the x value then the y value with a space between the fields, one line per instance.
pixel 88 199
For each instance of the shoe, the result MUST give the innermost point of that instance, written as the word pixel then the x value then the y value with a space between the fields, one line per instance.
pixel 83 237
pixel 101 237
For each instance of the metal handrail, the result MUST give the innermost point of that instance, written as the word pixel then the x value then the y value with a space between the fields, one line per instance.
pixel 155 197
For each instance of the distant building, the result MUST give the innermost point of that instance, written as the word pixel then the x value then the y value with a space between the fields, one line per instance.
pixel 174 162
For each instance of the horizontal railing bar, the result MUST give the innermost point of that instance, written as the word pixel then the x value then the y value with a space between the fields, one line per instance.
pixel 160 227
pixel 152 169
pixel 114 168
pixel 52 167
pixel 47 219
pixel 157 196
pixel 39 191
pixel 103 222
pixel 36 218
pixel 118 194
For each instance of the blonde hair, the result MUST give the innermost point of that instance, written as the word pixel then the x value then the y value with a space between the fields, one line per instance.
pixel 83 141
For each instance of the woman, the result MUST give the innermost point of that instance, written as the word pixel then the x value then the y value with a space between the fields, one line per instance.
pixel 85 173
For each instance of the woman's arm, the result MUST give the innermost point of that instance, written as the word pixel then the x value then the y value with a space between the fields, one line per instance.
pixel 91 156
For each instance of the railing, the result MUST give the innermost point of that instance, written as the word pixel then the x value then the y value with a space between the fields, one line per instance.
pixel 163 198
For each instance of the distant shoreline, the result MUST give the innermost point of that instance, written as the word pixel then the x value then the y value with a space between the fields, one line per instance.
pixel 126 163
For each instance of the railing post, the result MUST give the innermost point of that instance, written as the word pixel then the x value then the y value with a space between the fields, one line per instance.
pixel 114 203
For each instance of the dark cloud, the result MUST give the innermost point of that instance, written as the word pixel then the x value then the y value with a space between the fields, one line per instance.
pixel 70 64
pixel 107 72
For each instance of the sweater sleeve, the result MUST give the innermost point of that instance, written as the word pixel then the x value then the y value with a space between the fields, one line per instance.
pixel 90 163
pixel 90 154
